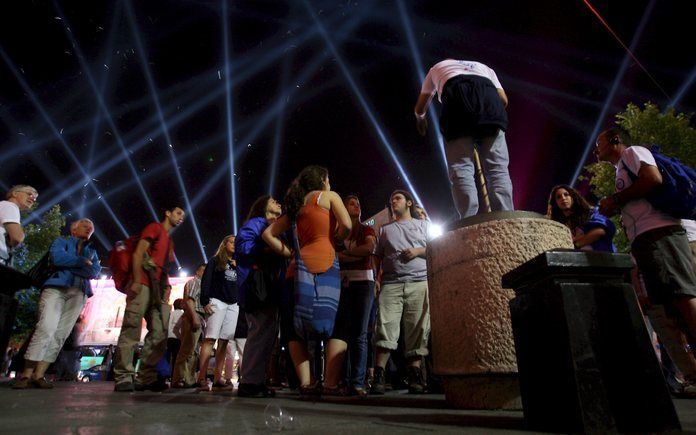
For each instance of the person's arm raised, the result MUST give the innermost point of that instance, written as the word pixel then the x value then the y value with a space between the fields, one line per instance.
pixel 271 236
pixel 342 217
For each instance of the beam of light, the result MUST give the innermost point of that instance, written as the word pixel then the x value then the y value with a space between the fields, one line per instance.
pixel 260 125
pixel 228 105
pixel 192 108
pixel 153 172
pixel 280 123
pixel 48 119
pixel 58 180
pixel 614 88
pixel 629 51
pixel 363 102
pixel 165 130
pixel 104 108
pixel 683 89
pixel 245 69
pixel 434 122
pixel 97 115
pixel 245 72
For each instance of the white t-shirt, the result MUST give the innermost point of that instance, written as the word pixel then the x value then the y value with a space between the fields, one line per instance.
pixel 638 215
pixel 174 317
pixel 9 213
pixel 690 227
pixel 442 71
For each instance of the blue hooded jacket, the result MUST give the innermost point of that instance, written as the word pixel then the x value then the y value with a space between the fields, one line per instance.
pixel 72 269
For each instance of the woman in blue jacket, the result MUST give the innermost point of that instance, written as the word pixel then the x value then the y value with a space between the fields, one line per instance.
pixel 258 267
pixel 62 298
pixel 591 230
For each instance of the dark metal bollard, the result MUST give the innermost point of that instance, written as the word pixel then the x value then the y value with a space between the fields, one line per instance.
pixel 586 362
pixel 11 281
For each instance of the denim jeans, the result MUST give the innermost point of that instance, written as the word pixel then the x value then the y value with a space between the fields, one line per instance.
pixel 352 318
pixel 494 157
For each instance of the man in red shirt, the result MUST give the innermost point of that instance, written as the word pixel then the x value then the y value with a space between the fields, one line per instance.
pixel 147 298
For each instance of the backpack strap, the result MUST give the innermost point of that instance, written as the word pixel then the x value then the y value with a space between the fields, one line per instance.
pixel 630 173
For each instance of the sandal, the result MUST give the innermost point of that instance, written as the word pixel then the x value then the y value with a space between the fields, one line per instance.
pixel 337 391
pixel 312 390
pixel 222 386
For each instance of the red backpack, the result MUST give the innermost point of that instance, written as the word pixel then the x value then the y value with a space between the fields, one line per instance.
pixel 121 262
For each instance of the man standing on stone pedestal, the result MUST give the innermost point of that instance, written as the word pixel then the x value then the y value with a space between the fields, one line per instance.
pixel 659 243
pixel 473 115
pixel 403 293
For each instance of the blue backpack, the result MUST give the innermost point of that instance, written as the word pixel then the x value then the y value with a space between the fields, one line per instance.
pixel 677 194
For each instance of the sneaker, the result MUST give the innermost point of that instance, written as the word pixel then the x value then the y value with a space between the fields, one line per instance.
pixel 358 392
pixel 22 384
pixel 42 383
pixel 254 391
pixel 156 386
pixel 415 380
pixel 378 381
pixel 124 387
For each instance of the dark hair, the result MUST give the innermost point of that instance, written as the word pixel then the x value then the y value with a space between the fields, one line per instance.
pixel 258 208
pixel 170 207
pixel 178 304
pixel 408 197
pixel 581 209
pixel 201 265
pixel 622 134
pixel 310 178
pixel 357 232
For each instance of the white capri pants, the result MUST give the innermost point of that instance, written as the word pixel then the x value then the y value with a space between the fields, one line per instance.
pixel 58 312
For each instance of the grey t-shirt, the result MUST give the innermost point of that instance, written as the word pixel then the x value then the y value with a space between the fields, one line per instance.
pixel 395 237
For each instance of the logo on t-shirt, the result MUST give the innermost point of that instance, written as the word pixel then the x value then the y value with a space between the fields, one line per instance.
pixel 620 184
pixel 230 274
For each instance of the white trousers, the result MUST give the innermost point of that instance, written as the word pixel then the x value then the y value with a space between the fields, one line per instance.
pixel 58 312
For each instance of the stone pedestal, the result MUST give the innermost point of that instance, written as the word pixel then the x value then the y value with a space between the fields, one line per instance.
pixel 472 343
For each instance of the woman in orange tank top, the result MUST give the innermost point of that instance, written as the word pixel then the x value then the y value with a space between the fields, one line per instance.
pixel 321 219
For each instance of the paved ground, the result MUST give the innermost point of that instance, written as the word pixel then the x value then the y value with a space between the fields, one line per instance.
pixel 93 408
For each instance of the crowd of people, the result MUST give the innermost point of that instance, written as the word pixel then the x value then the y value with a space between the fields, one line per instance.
pixel 309 271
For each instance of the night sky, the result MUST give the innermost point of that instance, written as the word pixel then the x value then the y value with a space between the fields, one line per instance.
pixel 96 95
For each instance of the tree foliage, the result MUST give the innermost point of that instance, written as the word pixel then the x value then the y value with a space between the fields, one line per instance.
pixel 647 126
pixel 36 243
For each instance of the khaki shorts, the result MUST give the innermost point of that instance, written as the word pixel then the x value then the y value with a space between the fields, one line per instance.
pixel 407 304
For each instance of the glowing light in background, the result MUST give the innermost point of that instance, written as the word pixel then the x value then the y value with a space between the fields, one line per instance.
pixel 435 230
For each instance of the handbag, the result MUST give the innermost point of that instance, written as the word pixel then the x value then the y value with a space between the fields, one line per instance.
pixel 256 289
pixel 41 271
pixel 316 297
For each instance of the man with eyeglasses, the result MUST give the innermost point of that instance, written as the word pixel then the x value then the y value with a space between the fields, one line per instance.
pixel 19 198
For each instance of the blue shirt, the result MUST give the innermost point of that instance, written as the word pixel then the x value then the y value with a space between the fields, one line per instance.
pixel 598 220
pixel 72 269
pixel 249 250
